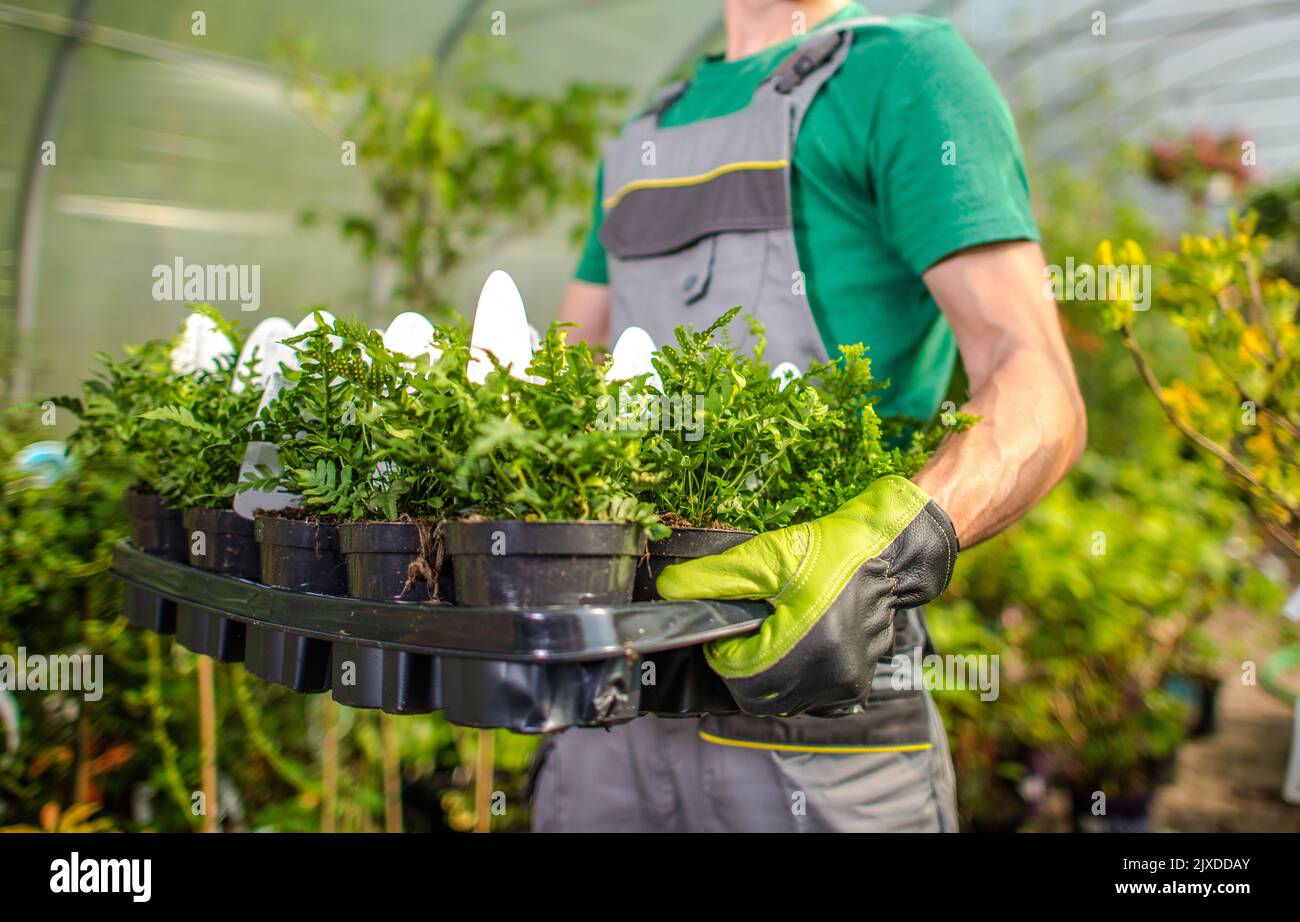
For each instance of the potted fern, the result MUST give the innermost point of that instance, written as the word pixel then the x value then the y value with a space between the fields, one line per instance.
pixel 331 430
pixel 717 424
pixel 352 430
pixel 764 452
pixel 553 512
pixel 199 439
pixel 112 435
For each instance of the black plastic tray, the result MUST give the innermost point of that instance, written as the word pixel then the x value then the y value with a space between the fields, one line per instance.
pixel 532 670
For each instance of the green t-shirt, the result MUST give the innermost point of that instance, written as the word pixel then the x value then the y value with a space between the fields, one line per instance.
pixel 905 156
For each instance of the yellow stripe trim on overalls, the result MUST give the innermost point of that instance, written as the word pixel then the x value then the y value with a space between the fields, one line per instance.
pixel 694 180
pixel 791 747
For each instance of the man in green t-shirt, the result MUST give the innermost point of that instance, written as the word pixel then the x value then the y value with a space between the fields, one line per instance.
pixel 846 179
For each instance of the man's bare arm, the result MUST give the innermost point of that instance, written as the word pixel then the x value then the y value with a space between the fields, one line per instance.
pixel 587 305
pixel 1022 383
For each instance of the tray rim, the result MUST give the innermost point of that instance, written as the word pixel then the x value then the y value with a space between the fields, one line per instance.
pixel 531 635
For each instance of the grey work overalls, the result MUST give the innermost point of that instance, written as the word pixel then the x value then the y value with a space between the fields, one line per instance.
pixel 697 220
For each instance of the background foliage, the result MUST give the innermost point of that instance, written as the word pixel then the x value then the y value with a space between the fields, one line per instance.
pixel 1096 600
pixel 454 162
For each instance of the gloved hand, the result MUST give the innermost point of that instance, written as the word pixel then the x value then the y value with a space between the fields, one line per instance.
pixel 835 583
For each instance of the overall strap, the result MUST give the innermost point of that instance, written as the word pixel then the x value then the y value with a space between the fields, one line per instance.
pixel 810 56
pixel 816 60
pixel 661 103
pixel 815 51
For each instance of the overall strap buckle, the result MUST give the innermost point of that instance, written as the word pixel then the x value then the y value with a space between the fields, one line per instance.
pixel 796 68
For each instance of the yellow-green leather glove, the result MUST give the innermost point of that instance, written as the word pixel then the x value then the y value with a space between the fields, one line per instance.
pixel 835 584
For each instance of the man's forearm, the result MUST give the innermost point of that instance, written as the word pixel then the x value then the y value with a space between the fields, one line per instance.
pixel 1033 429
pixel 1033 426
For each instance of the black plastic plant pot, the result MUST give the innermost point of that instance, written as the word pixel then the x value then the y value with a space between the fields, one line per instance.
pixel 156 525
pixel 379 556
pixel 156 528
pixel 524 564
pixel 304 557
pixel 228 547
pixel 679 683
pixel 683 544
pixel 537 564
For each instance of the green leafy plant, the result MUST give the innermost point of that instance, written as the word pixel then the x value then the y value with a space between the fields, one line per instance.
pixel 1278 207
pixel 326 424
pixel 541 448
pixel 849 446
pixel 56 536
pixel 1238 397
pixel 761 454
pixel 425 430
pixel 363 433
pixel 181 436
pixel 112 432
pixel 732 432
pixel 1092 602
pixel 204 432
pixel 447 154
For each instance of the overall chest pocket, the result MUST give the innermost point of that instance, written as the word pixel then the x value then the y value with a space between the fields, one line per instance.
pixel 658 217
pixel 698 239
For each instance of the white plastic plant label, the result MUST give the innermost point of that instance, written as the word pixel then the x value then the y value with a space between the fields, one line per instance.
pixel 500 328
pixel 264 454
pixel 260 356
pixel 787 372
pixel 199 346
pixel 411 334
pixel 633 355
